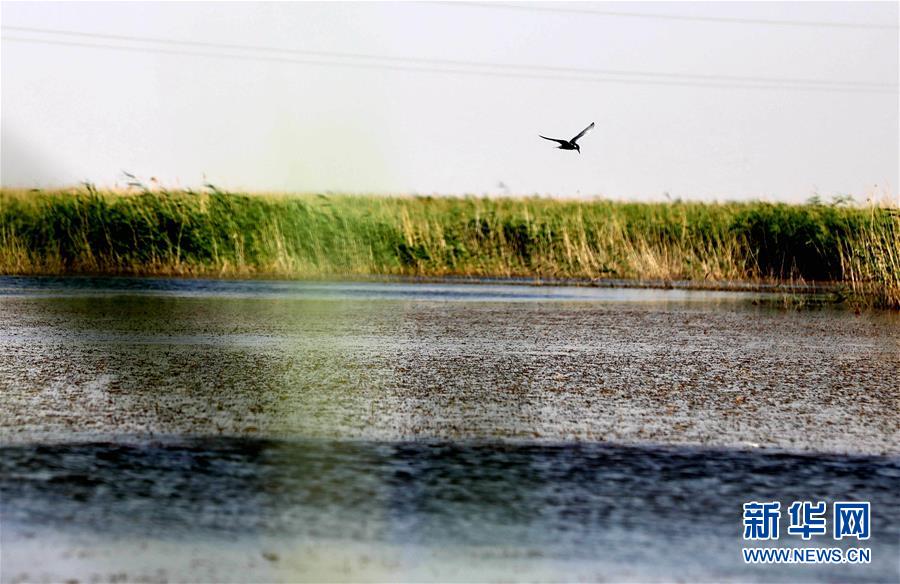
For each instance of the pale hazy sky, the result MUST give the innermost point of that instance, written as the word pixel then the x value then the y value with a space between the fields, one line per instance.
pixel 74 113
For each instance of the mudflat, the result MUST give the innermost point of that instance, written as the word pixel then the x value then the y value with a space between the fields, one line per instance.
pixel 396 362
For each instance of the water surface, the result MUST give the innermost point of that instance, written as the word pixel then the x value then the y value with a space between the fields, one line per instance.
pixel 593 511
pixel 206 430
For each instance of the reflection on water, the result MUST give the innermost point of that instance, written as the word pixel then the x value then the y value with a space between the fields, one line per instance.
pixel 479 292
pixel 661 508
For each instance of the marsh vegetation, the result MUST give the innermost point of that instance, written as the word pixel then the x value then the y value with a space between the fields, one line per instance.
pixel 216 233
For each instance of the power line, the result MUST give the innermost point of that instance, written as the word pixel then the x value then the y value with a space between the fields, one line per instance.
pixel 491 74
pixel 452 62
pixel 711 19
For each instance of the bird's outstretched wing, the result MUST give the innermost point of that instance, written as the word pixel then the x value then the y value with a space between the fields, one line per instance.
pixel 583 132
pixel 554 139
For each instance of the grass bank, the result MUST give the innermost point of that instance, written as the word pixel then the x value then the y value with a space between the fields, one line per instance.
pixel 228 234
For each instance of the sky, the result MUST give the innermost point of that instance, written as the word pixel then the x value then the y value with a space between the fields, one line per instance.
pixel 675 120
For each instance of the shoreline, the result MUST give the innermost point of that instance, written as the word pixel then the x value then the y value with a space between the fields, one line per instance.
pixel 537 281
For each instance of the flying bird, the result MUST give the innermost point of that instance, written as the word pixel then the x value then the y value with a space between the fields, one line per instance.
pixel 570 144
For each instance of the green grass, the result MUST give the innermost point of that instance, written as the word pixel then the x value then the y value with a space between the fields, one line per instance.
pixel 227 234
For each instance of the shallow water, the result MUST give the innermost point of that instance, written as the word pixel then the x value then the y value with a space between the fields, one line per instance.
pixel 595 511
pixel 487 291
pixel 197 430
